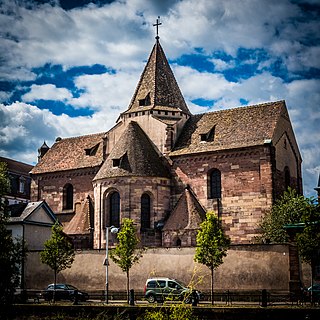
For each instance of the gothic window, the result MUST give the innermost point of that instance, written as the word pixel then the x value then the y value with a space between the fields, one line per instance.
pixel 68 197
pixel 145 211
pixel 114 209
pixel 215 184
pixel 178 242
pixel 286 177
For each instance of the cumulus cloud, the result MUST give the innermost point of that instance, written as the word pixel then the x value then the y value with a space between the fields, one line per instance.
pixel 47 92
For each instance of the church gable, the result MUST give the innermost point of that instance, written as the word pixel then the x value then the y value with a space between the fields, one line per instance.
pixel 185 219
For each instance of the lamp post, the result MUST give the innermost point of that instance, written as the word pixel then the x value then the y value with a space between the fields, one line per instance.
pixel 113 229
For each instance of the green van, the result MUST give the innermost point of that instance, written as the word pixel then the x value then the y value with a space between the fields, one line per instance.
pixel 160 289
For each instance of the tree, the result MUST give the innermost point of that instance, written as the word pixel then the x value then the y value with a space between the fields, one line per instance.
pixel 297 217
pixel 212 245
pixel 58 252
pixel 289 209
pixel 12 250
pixel 126 253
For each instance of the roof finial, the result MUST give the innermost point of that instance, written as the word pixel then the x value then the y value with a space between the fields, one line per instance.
pixel 157 24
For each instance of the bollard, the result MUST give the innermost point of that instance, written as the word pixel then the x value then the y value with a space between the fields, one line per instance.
pixel 264 298
pixel 131 297
pixel 194 298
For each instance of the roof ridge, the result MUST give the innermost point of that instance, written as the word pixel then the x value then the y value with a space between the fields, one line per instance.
pixel 83 136
pixel 242 107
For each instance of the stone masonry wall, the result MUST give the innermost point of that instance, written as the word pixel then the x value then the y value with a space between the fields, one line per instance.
pixel 246 179
pixel 50 187
pixel 130 190
pixel 246 267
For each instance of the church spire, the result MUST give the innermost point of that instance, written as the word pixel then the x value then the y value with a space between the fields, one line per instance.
pixel 157 88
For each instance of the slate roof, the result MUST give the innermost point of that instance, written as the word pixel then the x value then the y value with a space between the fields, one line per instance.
pixel 158 81
pixel 16 166
pixel 72 153
pixel 27 209
pixel 187 214
pixel 233 128
pixel 136 154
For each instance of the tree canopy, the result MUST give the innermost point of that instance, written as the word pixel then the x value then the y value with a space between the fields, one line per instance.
pixel 58 251
pixel 212 244
pixel 127 251
pixel 290 210
pixel 12 250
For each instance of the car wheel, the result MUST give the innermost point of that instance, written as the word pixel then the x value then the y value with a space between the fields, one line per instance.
pixel 151 298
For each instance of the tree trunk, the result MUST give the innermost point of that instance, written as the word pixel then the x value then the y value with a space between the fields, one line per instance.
pixel 54 288
pixel 212 280
pixel 128 286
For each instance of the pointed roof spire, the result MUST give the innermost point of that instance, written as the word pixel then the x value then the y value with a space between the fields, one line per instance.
pixel 157 88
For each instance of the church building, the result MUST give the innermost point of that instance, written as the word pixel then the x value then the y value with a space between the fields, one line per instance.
pixel 164 167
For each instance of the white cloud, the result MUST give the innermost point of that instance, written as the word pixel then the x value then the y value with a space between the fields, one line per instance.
pixel 106 91
pixel 47 92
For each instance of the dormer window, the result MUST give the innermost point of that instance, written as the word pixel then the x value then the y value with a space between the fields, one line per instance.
pixel 92 151
pixel 116 163
pixel 146 101
pixel 209 136
pixel 22 184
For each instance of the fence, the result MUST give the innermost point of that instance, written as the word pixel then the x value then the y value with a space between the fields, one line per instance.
pixel 259 297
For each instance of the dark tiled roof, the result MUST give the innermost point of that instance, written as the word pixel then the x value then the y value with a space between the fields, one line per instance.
pixel 16 166
pixel 72 153
pixel 187 214
pixel 136 154
pixel 233 128
pixel 27 209
pixel 158 81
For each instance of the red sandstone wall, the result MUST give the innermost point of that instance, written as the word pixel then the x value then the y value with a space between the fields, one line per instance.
pixel 246 178
pixel 50 187
pixel 130 190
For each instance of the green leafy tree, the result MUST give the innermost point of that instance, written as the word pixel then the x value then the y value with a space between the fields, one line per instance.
pixel 12 251
pixel 127 251
pixel 297 217
pixel 212 245
pixel 58 251
pixel 289 209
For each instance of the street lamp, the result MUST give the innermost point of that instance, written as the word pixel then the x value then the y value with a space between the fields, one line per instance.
pixel 114 230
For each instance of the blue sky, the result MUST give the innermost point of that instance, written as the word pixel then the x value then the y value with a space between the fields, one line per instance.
pixel 68 67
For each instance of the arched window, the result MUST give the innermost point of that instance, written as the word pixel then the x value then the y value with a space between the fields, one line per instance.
pixel 145 211
pixel 114 209
pixel 215 184
pixel 68 197
pixel 178 242
pixel 286 178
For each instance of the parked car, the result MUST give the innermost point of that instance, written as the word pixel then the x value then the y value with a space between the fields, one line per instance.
pixel 64 292
pixel 159 289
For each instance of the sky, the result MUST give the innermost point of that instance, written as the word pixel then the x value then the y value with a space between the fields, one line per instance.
pixel 70 67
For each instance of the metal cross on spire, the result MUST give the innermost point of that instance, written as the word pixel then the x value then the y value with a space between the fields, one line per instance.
pixel 157 24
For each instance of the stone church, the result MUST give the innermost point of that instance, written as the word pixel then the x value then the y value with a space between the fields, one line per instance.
pixel 165 168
